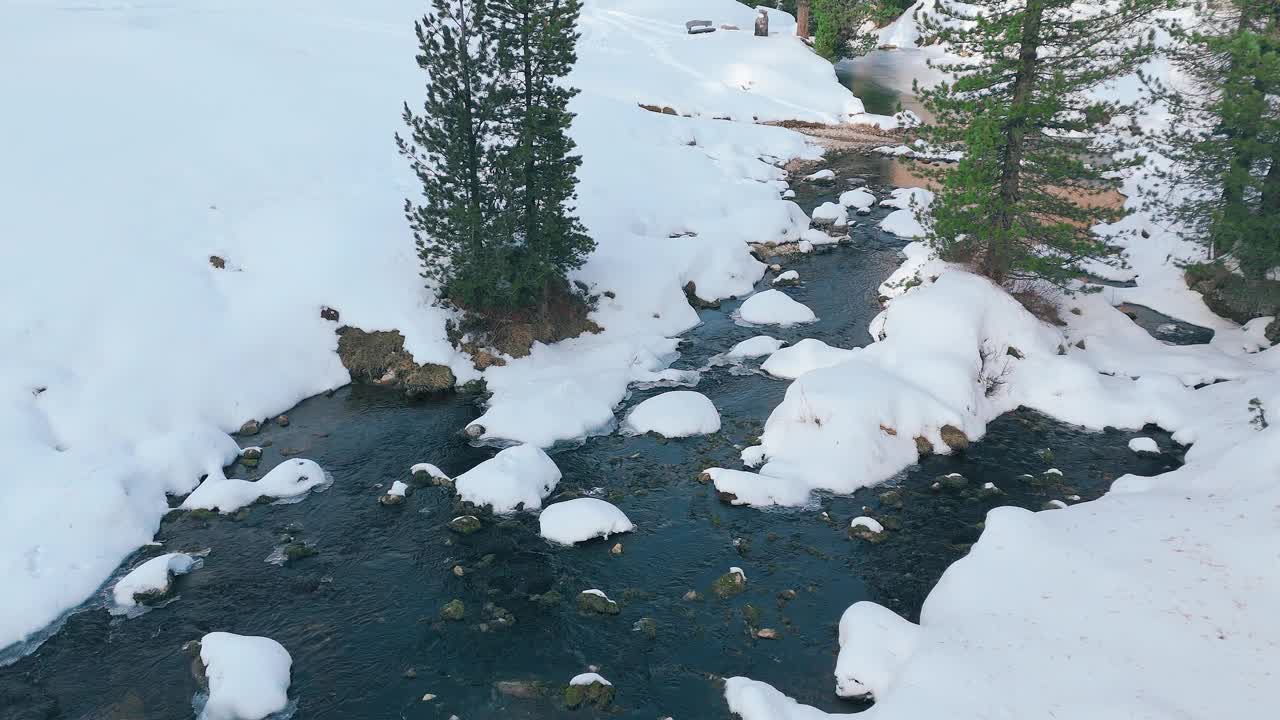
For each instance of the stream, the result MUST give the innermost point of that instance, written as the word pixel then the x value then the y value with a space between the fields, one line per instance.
pixel 361 618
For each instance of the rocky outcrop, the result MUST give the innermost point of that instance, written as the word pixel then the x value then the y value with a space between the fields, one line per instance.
pixel 379 358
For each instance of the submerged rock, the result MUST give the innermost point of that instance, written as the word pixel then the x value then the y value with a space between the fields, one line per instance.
pixel 952 481
pixel 523 689
pixel 465 524
pixel 454 610
pixel 595 601
pixel 298 550
pixel 648 626
pixel 767 634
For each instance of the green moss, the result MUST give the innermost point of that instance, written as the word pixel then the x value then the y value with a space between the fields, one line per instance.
pixel 298 550
pixel 729 584
pixel 454 610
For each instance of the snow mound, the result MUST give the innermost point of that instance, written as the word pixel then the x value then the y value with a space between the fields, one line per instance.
pixel 830 213
pixel 911 203
pixel 431 471
pixel 869 523
pixel 857 198
pixel 680 413
pixel 248 676
pixel 516 478
pixel 789 276
pixel 824 175
pixel 581 519
pixel 290 479
pixel 757 346
pixel 748 488
pixel 398 489
pixel 1144 445
pixel 773 307
pixel 874 643
pixel 754 700
pixel 152 576
pixel 588 678
pixel 805 356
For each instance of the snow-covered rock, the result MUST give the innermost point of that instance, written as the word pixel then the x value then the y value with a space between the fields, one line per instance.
pixel 290 479
pixel 581 519
pixel 753 700
pixel 516 478
pixel 758 346
pixel 774 307
pixel 679 413
pixel 830 214
pixel 588 678
pixel 789 277
pixel 905 222
pixel 825 175
pixel 248 676
pixel 430 473
pixel 151 580
pixel 858 199
pixel 747 488
pixel 1144 445
pixel 398 489
pixel 805 356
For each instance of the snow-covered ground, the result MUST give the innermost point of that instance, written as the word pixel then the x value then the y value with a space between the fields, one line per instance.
pixel 262 134
pixel 1154 601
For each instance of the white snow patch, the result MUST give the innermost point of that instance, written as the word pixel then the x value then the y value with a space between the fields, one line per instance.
pixel 518 476
pixel 152 575
pixel 774 307
pixel 758 346
pixel 750 488
pixel 248 676
pixel 429 469
pixel 290 479
pixel 581 519
pixel 821 176
pixel 803 357
pixel 869 523
pixel 874 644
pixel 904 222
pixel 857 198
pixel 398 489
pixel 1144 445
pixel 830 213
pixel 754 700
pixel 588 678
pixel 789 276
pixel 679 413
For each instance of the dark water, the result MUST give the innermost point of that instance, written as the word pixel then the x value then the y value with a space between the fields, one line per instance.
pixel 361 617
pixel 1165 328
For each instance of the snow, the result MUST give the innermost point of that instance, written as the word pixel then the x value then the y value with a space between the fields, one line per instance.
pixel 758 346
pixel 857 198
pixel 398 489
pixel 904 222
pixel 290 479
pixel 148 356
pixel 679 413
pixel 869 523
pixel 429 469
pixel 821 176
pixel 774 307
pixel 754 700
pixel 805 356
pixel 588 678
pixel 790 276
pixel 519 477
pixel 874 642
pixel 152 575
pixel 248 676
pixel 581 519
pixel 1144 445
pixel 750 488
pixel 830 213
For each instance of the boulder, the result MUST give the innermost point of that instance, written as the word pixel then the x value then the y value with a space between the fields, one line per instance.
pixel 595 601
pixel 465 524
pixel 730 583
pixel 379 358
pixel 588 689
pixel 250 427
pixel 454 611
pixel 954 438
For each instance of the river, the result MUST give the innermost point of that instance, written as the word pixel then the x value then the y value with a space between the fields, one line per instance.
pixel 360 618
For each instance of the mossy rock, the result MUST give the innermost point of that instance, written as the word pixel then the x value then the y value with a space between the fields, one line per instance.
pixel 954 438
pixel 892 498
pixel 548 599
pixel 729 584
pixel 465 524
pixel 648 627
pixel 295 551
pixel 752 615
pixel 862 532
pixel 598 604
pixel 422 478
pixel 923 446
pixel 596 693
pixel 952 481
pixel 497 617
pixel 455 610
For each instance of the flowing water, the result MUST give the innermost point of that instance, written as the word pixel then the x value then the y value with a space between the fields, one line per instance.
pixel 361 618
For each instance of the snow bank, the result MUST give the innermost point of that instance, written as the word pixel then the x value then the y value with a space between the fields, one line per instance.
pixel 122 386
pixel 290 479
pixel 874 642
pixel 152 576
pixel 753 700
pixel 774 307
pixel 514 479
pixel 248 676
pixel 581 519
pixel 679 413
pixel 805 356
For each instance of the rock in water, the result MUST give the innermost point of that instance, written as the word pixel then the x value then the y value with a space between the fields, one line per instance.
pixel 867 529
pixel 595 601
pixel 465 524
pixel 454 610
pixel 730 583
pixel 954 438
pixel 250 427
pixel 588 689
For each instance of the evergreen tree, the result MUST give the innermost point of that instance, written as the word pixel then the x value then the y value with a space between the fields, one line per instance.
pixel 838 22
pixel 1021 202
pixel 538 167
pixel 451 150
pixel 1222 186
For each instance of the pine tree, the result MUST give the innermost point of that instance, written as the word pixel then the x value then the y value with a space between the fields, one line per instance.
pixel 450 149
pixel 1222 184
pixel 538 167
pixel 1021 202
pixel 837 24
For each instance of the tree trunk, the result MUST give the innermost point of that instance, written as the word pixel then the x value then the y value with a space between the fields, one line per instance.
pixel 1015 134
pixel 802 18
